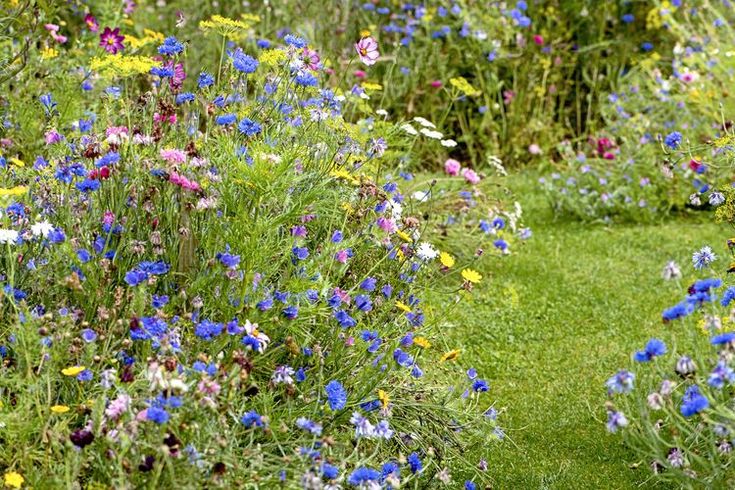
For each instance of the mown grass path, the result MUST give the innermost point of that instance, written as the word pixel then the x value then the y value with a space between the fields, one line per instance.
pixel 553 321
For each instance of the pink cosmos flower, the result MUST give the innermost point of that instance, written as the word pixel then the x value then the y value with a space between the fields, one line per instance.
pixel 452 166
pixel 367 49
pixel 111 40
pixel 91 22
pixel 436 84
pixel 538 39
pixel 311 59
pixel 470 176
pixel 360 74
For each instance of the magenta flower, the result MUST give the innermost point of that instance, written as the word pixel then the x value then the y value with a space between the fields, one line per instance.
pixel 367 49
pixel 111 40
pixel 470 176
pixel 91 22
pixel 452 166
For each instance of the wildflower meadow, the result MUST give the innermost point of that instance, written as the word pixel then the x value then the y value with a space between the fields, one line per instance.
pixel 367 244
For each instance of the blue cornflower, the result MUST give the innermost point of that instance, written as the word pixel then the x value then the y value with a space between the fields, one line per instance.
pixel 654 348
pixel 615 421
pixel 720 375
pixel 157 415
pixel 329 471
pixel 402 358
pixel 170 47
pixel 248 127
pixel 368 284
pixel 85 375
pixel 207 330
pixel 252 419
pixel 263 44
pixel 291 312
pixel 480 386
pixel 243 62
pixel 703 257
pixel 300 253
pixel 336 395
pixel 295 41
pixel 704 285
pixel 468 485
pixel 344 319
pixel 693 402
pixel 226 119
pixel 364 477
pixel 723 338
pixel 414 463
pixel 622 382
pixel 162 71
pixel 184 97
pixel 678 311
pixel 309 426
pixel 673 140
pixel 228 260
pixel 728 296
pixel 628 18
pixel 89 335
pixel 306 79
pixel 363 303
pixel 205 80
pixel 88 185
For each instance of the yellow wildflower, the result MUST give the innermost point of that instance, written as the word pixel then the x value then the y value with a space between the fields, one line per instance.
pixel 13 479
pixel 341 173
pixel 384 398
pixel 17 162
pixel 461 84
pixel 60 409
pixel 372 86
pixel 422 342
pixel 272 57
pixel 365 33
pixel 471 275
pixel 72 371
pixel 121 65
pixel 49 53
pixel 404 236
pixel 446 260
pixel 227 27
pixel 452 355
pixel 403 306
pixel 13 191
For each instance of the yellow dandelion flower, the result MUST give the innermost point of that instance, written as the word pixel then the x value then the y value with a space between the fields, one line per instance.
pixel 422 342
pixel 384 398
pixel 72 371
pixel 446 260
pixel 13 479
pixel 60 409
pixel 452 355
pixel 403 306
pixel 404 236
pixel 471 275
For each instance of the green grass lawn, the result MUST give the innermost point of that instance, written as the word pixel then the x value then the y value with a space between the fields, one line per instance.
pixel 553 321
